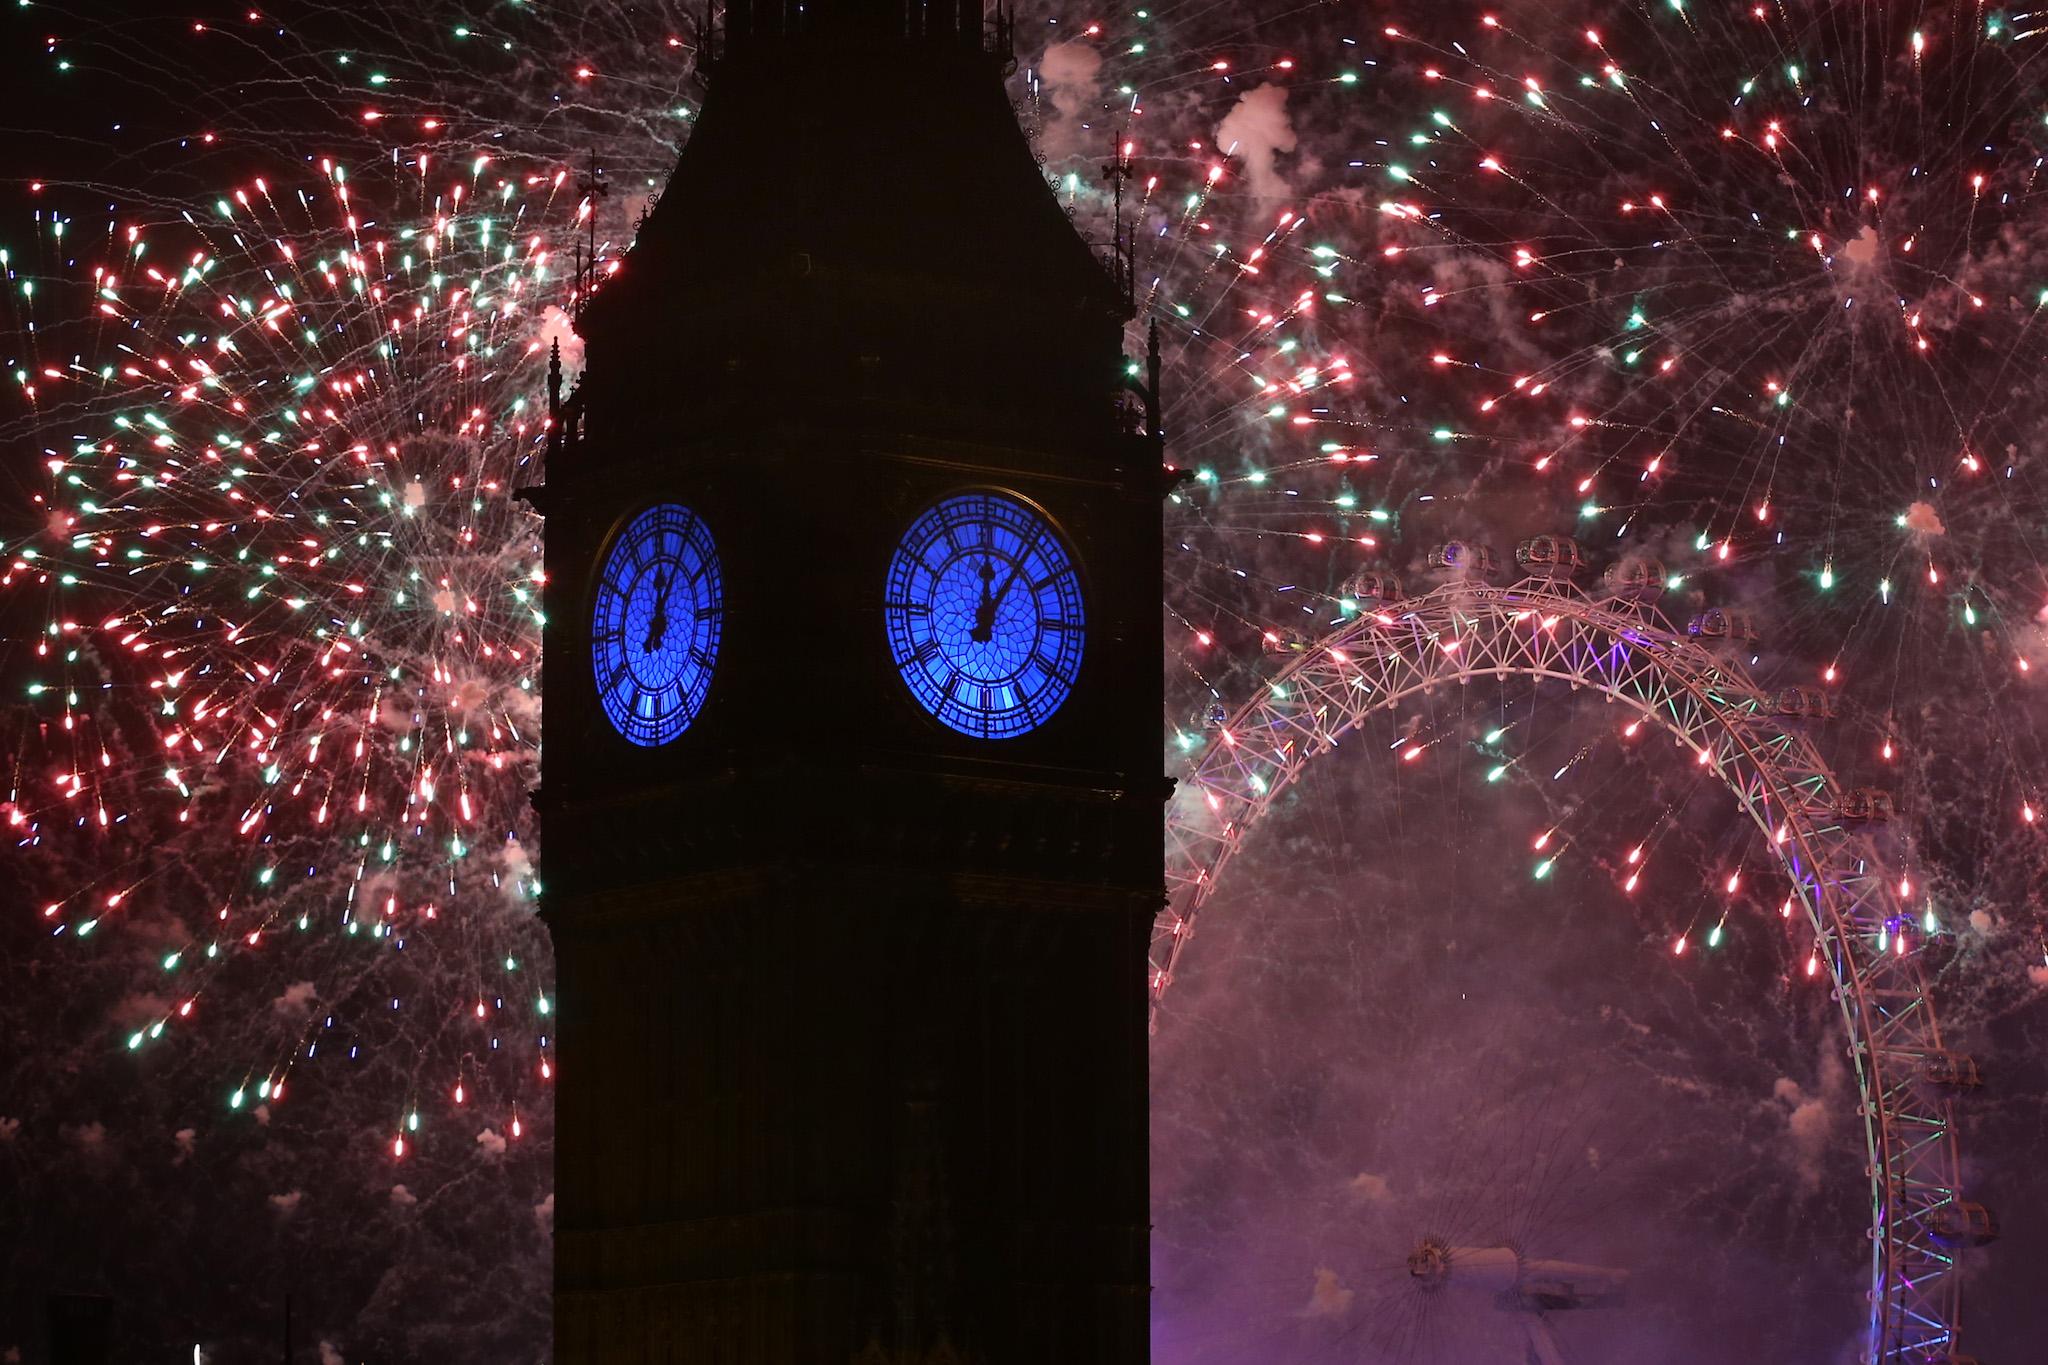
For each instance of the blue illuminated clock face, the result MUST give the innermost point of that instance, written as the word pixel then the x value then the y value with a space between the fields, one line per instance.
pixel 984 616
pixel 655 624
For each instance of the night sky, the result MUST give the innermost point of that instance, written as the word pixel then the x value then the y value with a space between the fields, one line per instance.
pixel 1756 292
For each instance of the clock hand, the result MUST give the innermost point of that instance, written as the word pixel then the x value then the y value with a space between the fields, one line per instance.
pixel 985 610
pixel 1015 569
pixel 657 625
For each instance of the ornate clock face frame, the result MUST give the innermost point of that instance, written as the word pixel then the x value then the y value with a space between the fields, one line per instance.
pixel 657 613
pixel 984 614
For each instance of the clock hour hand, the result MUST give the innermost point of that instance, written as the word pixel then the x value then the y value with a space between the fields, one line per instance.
pixel 657 625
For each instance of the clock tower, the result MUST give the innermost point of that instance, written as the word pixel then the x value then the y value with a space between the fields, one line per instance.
pixel 852 796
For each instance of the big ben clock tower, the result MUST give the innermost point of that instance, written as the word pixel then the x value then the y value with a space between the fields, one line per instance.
pixel 852 802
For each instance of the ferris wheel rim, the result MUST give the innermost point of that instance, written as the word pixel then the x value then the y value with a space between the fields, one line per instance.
pixel 1887 1011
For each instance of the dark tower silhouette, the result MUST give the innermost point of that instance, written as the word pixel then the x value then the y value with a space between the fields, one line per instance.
pixel 852 1008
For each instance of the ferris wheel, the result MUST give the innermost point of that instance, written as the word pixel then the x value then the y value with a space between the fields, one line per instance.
pixel 1847 874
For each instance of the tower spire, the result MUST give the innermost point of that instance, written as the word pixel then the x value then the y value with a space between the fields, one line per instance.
pixel 591 187
pixel 1123 247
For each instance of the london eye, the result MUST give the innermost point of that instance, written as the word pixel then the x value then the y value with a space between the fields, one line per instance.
pixel 1848 888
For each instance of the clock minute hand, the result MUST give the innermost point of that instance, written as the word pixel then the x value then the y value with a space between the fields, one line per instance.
pixel 657 624
pixel 984 610
pixel 1004 591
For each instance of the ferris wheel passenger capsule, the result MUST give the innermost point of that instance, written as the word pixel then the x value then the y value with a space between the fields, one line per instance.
pixel 1723 625
pixel 1952 1071
pixel 1368 587
pixel 1638 578
pixel 1215 717
pixel 1549 557
pixel 1803 703
pixel 1963 1224
pixel 1866 804
pixel 1285 640
pixel 1463 559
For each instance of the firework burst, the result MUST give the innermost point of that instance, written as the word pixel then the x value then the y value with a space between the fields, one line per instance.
pixel 1754 292
pixel 290 606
